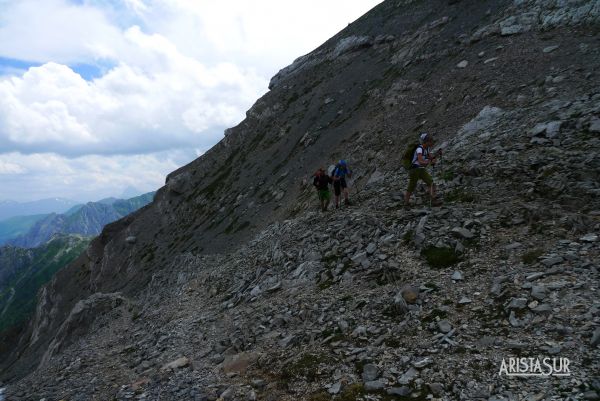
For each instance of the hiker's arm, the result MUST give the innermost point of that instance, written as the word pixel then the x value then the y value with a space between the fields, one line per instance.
pixel 422 160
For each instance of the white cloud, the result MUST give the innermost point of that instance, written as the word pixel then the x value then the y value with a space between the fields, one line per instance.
pixel 10 168
pixel 179 72
pixel 171 101
pixel 87 177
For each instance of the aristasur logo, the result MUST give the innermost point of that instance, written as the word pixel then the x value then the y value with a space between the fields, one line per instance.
pixel 535 367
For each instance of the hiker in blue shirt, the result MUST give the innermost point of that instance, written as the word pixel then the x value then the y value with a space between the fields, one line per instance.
pixel 338 175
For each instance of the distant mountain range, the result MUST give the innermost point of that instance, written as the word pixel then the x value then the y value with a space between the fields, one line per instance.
pixel 18 225
pixel 10 208
pixel 24 271
pixel 86 220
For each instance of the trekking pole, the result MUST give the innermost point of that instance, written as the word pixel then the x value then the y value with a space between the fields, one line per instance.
pixel 432 183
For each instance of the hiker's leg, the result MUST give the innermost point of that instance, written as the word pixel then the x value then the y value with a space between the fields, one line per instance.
pixel 412 184
pixel 337 191
pixel 426 177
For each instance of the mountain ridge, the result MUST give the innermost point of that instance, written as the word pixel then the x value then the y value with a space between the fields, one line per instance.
pixel 87 220
pixel 362 300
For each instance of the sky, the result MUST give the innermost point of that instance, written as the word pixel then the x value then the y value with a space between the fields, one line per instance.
pixel 97 96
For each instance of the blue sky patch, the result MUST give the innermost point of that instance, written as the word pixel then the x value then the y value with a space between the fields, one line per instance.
pixel 9 66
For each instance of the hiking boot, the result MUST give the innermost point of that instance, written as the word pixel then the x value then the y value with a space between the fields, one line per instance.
pixel 347 202
pixel 436 202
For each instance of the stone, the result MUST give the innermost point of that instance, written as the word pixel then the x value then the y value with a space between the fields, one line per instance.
pixel 288 341
pixel 360 331
pixel 239 363
pixel 444 326
pixel 359 258
pixel 511 30
pixel 542 309
pixel 462 64
pixel 591 237
pixel 131 239
pixel 371 248
pixel 375 385
pixel 258 383
pixel 553 129
pixel 351 43
pixel 335 388
pixel 550 49
pixel 421 363
pixel 410 294
pixel 462 232
pixel 228 394
pixel 403 391
pixel 176 364
pixel 538 292
pixel 255 291
pixel 591 395
pixel 436 389
pixel 400 305
pixel 464 300
pixel 408 376
pixel 595 341
pixel 518 303
pixel 178 183
pixel 457 276
pixel 370 372
pixel 594 125
pixel 549 262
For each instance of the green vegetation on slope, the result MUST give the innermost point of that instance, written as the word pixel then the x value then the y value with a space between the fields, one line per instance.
pixel 18 297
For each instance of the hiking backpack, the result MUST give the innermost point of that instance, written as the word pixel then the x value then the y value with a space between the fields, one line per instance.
pixel 407 157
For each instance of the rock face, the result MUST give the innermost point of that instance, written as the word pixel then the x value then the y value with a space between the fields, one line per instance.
pixel 233 259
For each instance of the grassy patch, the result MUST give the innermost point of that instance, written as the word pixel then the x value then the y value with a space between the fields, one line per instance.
pixel 434 315
pixel 440 257
pixel 307 367
pixel 460 195
pixel 352 392
pixel 320 395
pixel 531 256
pixel 448 175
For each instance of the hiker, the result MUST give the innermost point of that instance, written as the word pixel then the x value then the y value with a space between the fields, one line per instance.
pixel 321 182
pixel 338 175
pixel 420 159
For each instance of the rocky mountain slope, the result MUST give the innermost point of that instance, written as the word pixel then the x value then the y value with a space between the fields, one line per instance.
pixel 24 271
pixel 230 285
pixel 87 220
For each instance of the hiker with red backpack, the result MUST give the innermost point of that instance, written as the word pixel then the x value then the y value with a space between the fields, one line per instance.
pixel 416 159
pixel 322 181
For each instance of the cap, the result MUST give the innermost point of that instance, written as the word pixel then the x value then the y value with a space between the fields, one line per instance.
pixel 424 137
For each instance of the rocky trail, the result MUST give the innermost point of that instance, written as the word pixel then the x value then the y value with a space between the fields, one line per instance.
pixel 365 302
